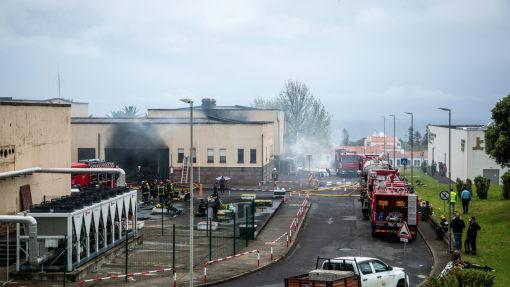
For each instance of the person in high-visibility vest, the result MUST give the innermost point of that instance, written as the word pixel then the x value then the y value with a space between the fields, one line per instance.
pixel 145 192
pixel 453 197
pixel 161 192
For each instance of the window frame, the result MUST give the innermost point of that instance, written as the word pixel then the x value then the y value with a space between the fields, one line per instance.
pixel 240 159
pixel 223 158
pixel 253 157
pixel 378 261
pixel 87 152
pixel 210 158
pixel 179 159
pixel 369 265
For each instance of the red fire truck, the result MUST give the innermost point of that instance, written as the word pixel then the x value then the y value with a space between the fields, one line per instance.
pixel 392 202
pixel 346 162
pixel 91 180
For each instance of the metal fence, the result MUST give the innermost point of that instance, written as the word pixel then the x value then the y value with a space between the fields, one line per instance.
pixel 166 244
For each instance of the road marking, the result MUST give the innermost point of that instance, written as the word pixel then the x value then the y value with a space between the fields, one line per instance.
pixel 330 221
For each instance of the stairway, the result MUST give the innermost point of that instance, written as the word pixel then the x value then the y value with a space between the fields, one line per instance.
pixel 185 169
pixel 12 247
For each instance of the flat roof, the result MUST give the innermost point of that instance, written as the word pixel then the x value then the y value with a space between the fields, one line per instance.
pixel 10 99
pixel 186 121
pixel 459 126
pixel 235 107
pixel 13 103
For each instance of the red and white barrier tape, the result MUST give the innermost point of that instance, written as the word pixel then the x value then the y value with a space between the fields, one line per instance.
pixel 133 274
pixel 225 258
pixel 286 233
pixel 300 183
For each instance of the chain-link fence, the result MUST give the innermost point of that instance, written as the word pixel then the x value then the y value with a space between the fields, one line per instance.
pixel 166 244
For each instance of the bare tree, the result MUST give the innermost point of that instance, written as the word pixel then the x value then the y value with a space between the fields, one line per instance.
pixel 306 116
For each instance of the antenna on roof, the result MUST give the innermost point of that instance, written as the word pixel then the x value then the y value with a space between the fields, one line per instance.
pixel 58 77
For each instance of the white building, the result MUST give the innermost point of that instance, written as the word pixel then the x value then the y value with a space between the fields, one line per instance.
pixel 468 152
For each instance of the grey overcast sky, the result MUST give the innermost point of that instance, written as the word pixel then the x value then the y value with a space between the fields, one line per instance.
pixel 373 57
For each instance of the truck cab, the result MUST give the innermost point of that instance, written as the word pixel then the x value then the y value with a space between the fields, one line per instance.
pixel 348 164
pixel 372 272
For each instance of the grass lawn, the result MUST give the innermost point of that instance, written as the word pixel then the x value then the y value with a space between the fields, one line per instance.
pixel 493 216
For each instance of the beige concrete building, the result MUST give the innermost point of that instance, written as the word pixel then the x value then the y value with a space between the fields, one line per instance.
pixel 77 109
pixel 33 135
pixel 241 150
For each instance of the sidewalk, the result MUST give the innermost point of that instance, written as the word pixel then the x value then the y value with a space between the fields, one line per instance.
pixel 439 249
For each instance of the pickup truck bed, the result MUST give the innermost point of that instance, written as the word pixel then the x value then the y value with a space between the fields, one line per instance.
pixel 305 281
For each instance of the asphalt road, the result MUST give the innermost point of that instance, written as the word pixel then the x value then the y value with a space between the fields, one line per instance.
pixel 346 235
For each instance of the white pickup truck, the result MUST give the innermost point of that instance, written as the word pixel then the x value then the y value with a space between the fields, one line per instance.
pixel 350 272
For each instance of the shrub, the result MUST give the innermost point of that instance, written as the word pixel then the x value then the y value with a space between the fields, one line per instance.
pixel 506 184
pixel 482 185
pixel 464 278
pixel 469 185
pixel 459 184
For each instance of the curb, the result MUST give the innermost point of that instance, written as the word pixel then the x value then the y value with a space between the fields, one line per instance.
pixel 434 260
pixel 291 247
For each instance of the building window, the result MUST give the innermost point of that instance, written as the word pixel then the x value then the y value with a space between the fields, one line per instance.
pixel 194 155
pixel 210 155
pixel 253 156
pixel 240 156
pixel 223 155
pixel 417 162
pixel 180 155
pixel 86 153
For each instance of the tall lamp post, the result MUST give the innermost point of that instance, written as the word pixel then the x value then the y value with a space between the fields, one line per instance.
pixel 412 147
pixel 449 170
pixel 394 141
pixel 384 146
pixel 191 224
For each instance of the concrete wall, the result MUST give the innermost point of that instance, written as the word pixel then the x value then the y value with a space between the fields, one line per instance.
pixel 235 114
pixel 77 109
pixel 40 136
pixel 466 163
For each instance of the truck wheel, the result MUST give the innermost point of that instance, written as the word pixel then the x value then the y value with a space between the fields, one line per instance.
pixel 374 234
pixel 413 237
pixel 401 283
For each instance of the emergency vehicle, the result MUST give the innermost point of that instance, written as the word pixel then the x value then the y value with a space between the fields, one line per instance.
pixel 346 162
pixel 392 201
pixel 91 180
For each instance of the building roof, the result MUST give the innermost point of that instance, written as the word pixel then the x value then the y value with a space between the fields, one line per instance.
pixel 381 139
pixel 44 104
pixel 236 107
pixel 10 99
pixel 369 149
pixel 197 120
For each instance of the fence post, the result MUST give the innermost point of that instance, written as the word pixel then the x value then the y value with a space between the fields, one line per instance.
pixel 247 232
pixel 127 247
pixel 210 239
pixel 65 258
pixel 173 248
pixel 234 233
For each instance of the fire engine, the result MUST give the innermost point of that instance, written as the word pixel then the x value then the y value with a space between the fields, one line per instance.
pixel 392 201
pixel 371 162
pixel 91 180
pixel 346 162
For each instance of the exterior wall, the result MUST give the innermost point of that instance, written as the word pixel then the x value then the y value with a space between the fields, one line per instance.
pixel 467 163
pixel 205 136
pixel 40 135
pixel 78 110
pixel 235 114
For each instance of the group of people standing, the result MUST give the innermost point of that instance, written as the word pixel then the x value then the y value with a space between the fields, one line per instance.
pixel 457 226
pixel 442 168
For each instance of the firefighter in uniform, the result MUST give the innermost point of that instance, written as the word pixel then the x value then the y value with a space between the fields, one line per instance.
pixel 202 208
pixel 161 192
pixel 145 192
pixel 275 176
pixel 169 206
pixel 365 202
pixel 139 174
pixel 442 228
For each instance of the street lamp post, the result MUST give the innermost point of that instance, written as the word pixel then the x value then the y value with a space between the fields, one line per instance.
pixel 394 141
pixel 449 171
pixel 384 146
pixel 412 147
pixel 191 224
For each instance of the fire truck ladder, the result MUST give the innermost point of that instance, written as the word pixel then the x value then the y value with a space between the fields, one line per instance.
pixel 185 169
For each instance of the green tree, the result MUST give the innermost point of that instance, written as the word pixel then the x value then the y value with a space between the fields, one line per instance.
pixel 345 137
pixel 425 139
pixel 417 139
pixel 307 118
pixel 497 135
pixel 127 112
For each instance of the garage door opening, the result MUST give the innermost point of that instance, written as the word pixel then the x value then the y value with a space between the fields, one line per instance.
pixel 154 162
